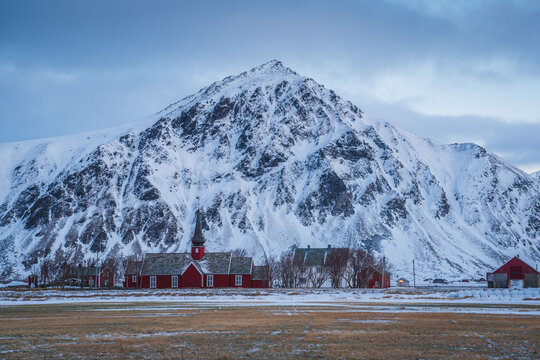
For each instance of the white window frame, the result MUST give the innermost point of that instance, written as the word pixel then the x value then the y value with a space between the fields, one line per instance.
pixel 133 278
pixel 238 280
pixel 174 281
pixel 209 280
pixel 153 282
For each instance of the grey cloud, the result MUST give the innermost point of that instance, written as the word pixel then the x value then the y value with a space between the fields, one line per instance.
pixel 131 58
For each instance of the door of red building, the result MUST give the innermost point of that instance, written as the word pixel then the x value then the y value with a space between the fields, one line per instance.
pixel 191 278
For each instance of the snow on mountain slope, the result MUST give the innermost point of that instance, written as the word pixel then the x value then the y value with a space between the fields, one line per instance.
pixel 276 160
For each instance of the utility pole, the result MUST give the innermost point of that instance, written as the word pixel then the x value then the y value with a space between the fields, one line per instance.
pixel 99 265
pixel 414 274
pixel 383 280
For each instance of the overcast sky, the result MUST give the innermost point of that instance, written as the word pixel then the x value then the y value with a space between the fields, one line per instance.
pixel 454 71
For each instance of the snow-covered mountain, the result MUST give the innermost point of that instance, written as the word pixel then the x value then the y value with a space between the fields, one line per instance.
pixel 277 160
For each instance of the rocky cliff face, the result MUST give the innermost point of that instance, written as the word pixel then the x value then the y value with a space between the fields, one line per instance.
pixel 276 159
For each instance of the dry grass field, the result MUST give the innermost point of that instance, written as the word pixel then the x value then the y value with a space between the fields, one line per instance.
pixel 171 331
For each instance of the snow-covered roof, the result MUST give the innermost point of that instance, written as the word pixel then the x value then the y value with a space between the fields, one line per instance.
pixel 165 263
pixel 216 263
pixel 177 263
pixel 314 256
pixel 260 273
pixel 241 265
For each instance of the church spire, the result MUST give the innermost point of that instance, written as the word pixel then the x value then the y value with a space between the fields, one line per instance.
pixel 197 239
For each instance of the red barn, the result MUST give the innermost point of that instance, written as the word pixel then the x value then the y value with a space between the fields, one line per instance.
pixel 514 273
pixel 196 269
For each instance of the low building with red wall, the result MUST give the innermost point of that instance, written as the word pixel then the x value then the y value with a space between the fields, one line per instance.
pixel 514 273
pixel 197 269
pixel 93 276
pixel 375 282
pixel 261 277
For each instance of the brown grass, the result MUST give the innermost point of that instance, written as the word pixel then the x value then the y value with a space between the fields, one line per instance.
pixel 139 330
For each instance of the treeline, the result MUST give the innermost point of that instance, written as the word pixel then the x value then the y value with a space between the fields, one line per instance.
pixel 70 268
pixel 353 267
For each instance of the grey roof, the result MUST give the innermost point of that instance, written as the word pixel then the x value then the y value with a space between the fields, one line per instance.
pixel 176 263
pixel 133 267
pixel 260 273
pixel 216 263
pixel 241 265
pixel 88 271
pixel 198 239
pixel 211 263
pixel 165 263
pixel 315 256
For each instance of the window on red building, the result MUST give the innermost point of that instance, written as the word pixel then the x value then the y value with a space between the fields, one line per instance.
pixel 238 280
pixel 210 281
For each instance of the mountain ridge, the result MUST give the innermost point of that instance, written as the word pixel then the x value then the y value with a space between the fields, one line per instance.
pixel 276 159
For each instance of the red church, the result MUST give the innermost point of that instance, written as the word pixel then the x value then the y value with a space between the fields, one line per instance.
pixel 197 269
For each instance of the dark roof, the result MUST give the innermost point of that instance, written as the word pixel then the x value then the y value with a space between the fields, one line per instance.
pixel 197 239
pixel 260 273
pixel 216 263
pixel 133 267
pixel 87 270
pixel 165 263
pixel 241 265
pixel 176 264
pixel 314 256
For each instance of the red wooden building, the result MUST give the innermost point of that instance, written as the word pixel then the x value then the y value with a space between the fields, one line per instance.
pixel 197 269
pixel 513 273
pixel 375 282
pixel 93 276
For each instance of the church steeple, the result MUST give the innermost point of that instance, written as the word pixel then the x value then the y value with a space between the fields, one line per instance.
pixel 197 240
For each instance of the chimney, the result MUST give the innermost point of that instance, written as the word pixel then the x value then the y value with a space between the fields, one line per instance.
pixel 329 246
pixel 308 246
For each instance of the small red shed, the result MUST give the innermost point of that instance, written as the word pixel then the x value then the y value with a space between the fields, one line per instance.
pixel 261 277
pixel 514 270
pixel 376 280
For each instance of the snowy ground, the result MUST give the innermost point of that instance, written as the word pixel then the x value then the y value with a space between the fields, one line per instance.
pixel 478 300
pixel 13 284
pixel 431 323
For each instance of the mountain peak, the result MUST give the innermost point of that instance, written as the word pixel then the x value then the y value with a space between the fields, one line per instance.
pixel 272 64
pixel 272 72
pixel 272 67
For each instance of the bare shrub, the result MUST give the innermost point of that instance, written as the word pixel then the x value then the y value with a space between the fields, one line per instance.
pixel 336 265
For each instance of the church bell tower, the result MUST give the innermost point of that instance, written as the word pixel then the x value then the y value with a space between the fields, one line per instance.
pixel 197 240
